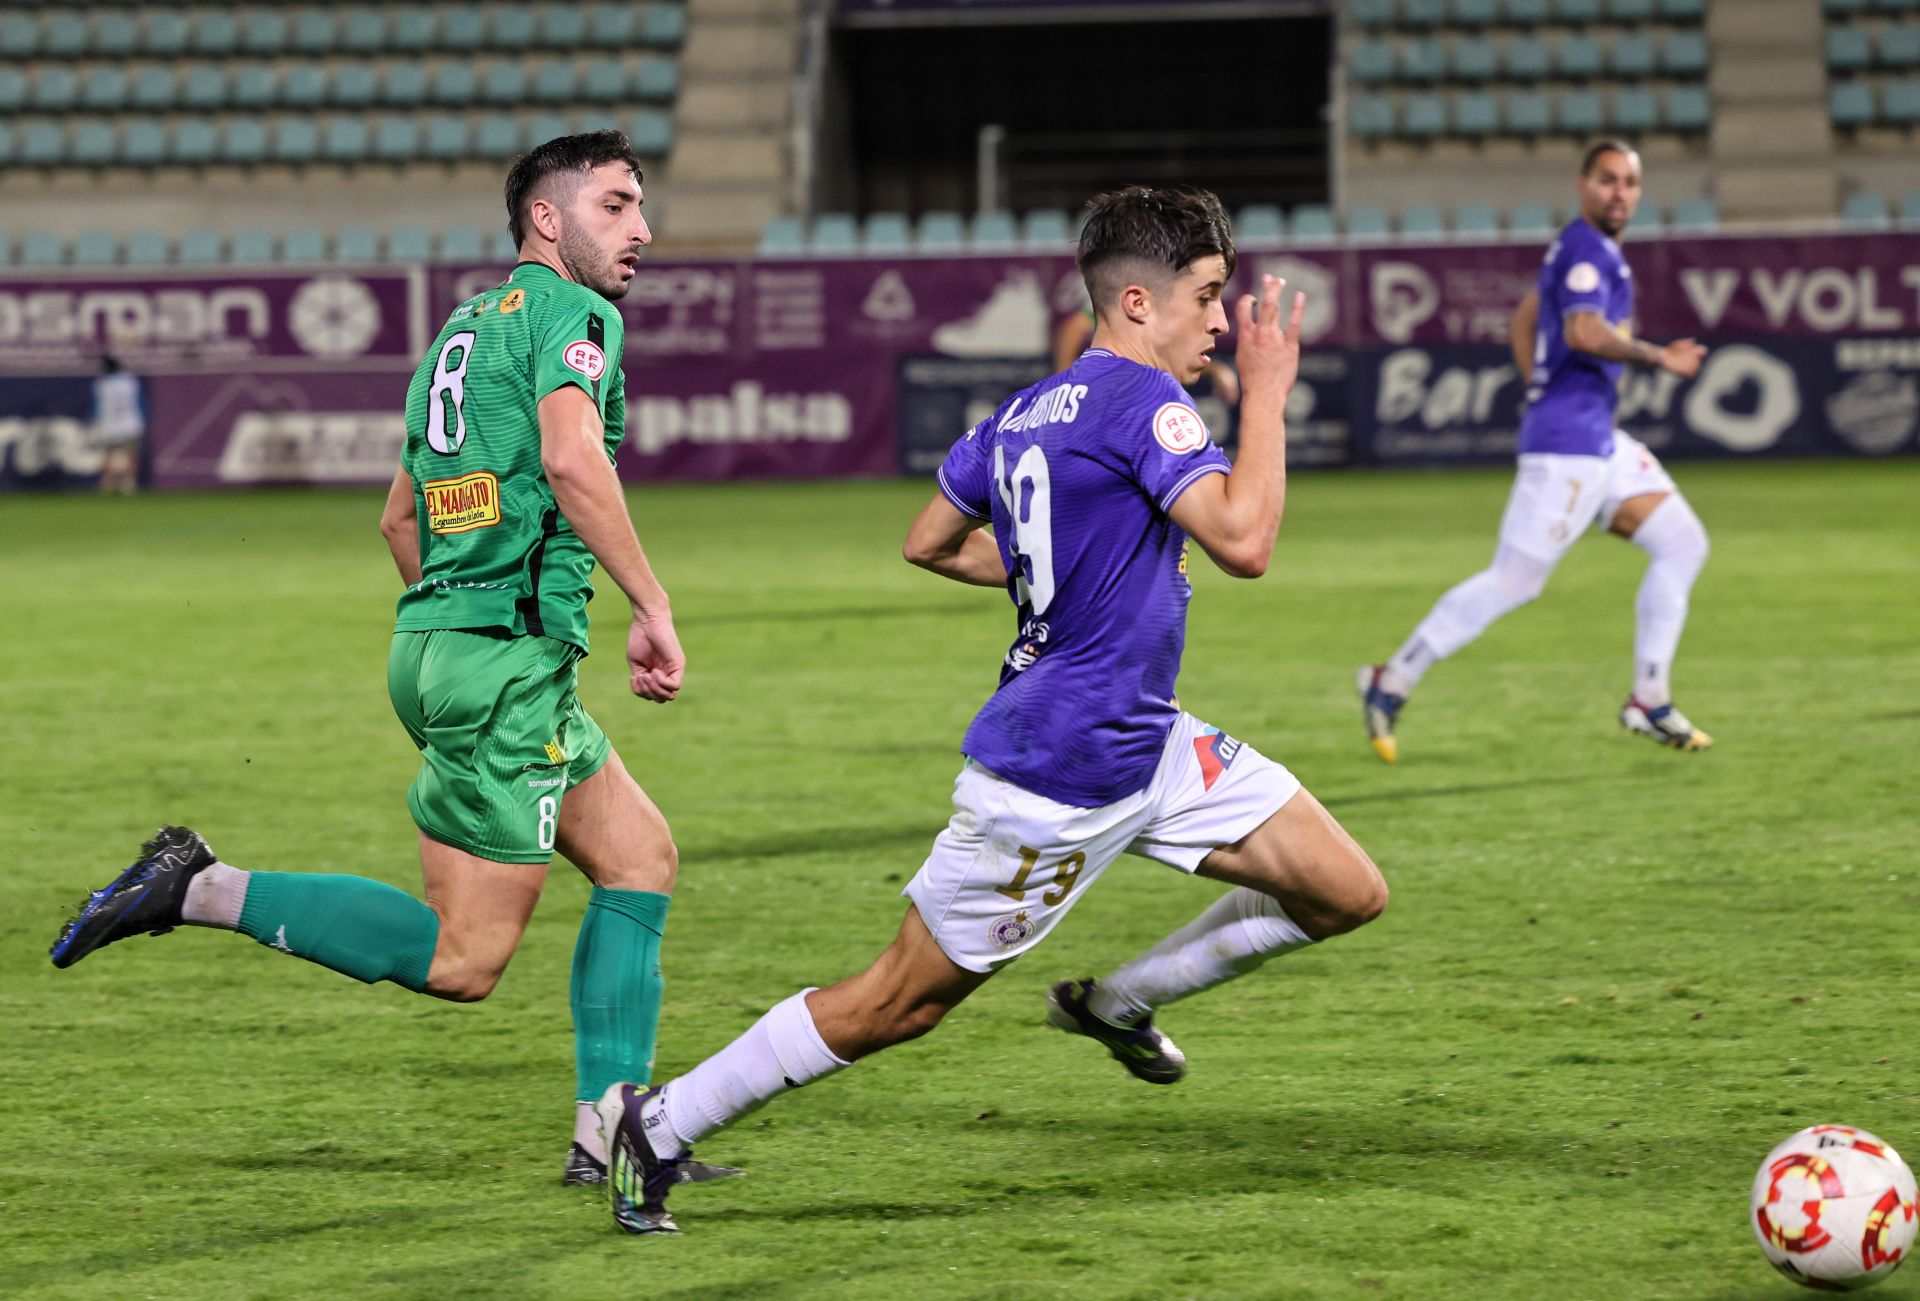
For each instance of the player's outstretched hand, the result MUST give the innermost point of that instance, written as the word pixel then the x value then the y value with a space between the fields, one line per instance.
pixel 1268 356
pixel 1682 357
pixel 655 661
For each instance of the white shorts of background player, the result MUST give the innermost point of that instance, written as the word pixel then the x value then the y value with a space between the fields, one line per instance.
pixel 1556 498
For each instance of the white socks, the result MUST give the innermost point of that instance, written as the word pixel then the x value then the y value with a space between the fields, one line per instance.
pixel 1467 610
pixel 1237 932
pixel 586 1131
pixel 215 896
pixel 1676 545
pixel 782 1050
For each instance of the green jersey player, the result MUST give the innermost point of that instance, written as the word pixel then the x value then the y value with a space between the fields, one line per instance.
pixel 505 498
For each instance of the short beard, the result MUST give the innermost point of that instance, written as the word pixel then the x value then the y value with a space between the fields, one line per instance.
pixel 588 265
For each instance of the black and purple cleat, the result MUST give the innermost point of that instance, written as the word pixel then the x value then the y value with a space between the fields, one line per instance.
pixel 1142 1049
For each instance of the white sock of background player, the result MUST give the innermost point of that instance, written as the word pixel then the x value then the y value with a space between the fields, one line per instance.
pixel 1676 545
pixel 1467 610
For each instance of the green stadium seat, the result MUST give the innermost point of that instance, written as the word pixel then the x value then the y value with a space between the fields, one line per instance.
pixel 94 144
pixel 94 248
pixel 1694 216
pixel 1371 13
pixel 782 237
pixel 254 86
pixel 1475 58
pixel 1850 104
pixel 1260 221
pixel 216 34
pixel 1580 112
pixel 553 82
pixel 1684 54
pixel 458 244
pixel 500 247
pixel 55 90
pixel 504 83
pixel 265 33
pixel 1476 219
pixel 1528 59
pixel 1900 102
pixel 366 31
pixel 1422 221
pixel 304 86
pixel 413 244
pixel 656 80
pixel 1683 11
pixel 42 249
pixel 1849 49
pixel 1529 113
pixel 1576 12
pixel 1476 114
pixel 1367 221
pixel 1425 117
pixel 1899 46
pixel 304 246
pixel 250 248
pixel 7 147
pixel 498 138
pixel 63 36
pixel 356 244
pixel 834 234
pixel 650 132
pixel 1311 221
pixel 1371 62
pixel 404 84
pixel 194 143
pixel 604 82
pixel 886 232
pixel 993 232
pixel 203 86
pixel 511 29
pixel 115 36
pixel 1635 109
pixel 1423 13
pixel 198 248
pixel 455 84
pixel 1630 11
pixel 344 138
pixel 1579 57
pixel 1531 219
pixel 354 84
pixel 149 248
pixel 295 140
pixel 542 127
pixel 1910 210
pixel 1423 61
pixel 612 26
pixel 664 25
pixel 395 138
pixel 1688 109
pixel 41 144
pixel 19 36
pixel 463 27
pixel 1866 212
pixel 143 143
pixel 1474 13
pixel 940 232
pixel 13 90
pixel 1632 56
pixel 1046 229
pixel 564 27
pixel 313 32
pixel 243 141
pixel 446 137
pixel 1845 8
pixel 1370 117
pixel 164 34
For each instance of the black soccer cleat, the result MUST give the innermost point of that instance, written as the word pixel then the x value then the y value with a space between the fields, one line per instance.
pixel 143 900
pixel 582 1169
pixel 1142 1049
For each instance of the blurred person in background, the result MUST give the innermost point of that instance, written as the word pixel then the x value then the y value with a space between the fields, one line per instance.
pixel 119 423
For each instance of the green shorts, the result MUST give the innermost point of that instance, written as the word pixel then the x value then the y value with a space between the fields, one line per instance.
pixel 501 734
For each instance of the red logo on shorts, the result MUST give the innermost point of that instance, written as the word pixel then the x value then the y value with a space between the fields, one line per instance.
pixel 1215 752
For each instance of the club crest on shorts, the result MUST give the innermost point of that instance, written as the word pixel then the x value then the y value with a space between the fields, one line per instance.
pixel 1216 752
pixel 1010 931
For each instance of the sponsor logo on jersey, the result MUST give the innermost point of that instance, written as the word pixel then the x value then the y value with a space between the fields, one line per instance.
pixel 1178 428
pixel 512 302
pixel 554 753
pixel 585 357
pixel 1216 752
pixel 1010 930
pixel 462 505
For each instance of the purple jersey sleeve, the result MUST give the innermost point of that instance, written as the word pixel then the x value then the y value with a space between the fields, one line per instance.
pixel 966 477
pixel 1579 279
pixel 1171 448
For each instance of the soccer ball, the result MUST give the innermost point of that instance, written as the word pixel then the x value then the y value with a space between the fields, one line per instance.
pixel 1834 1208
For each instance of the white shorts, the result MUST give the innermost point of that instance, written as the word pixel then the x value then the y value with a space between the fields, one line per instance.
pixel 1011 863
pixel 117 435
pixel 1555 498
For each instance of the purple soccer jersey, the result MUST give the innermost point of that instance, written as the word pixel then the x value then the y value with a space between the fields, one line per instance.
pixel 1077 474
pixel 1571 395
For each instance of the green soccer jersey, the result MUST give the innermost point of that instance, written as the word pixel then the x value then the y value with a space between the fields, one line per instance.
pixel 495 552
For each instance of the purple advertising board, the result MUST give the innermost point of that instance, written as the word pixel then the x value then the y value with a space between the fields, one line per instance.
pixel 799 368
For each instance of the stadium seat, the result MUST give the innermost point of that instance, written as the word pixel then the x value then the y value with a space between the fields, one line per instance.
pixel 503 83
pixel 1476 219
pixel 1531 219
pixel 1476 113
pixel 344 138
pixel 215 34
pixel 1528 13
pixel 612 26
pixel 783 237
pixel 203 86
pixel 1367 221
pixel 564 27
pixel 304 246
pixel 1910 210
pixel 1371 62
pixel 1579 57
pixel 313 32
pixel 1422 221
pixel 1576 12
pixel 1424 61
pixel 656 79
pixel 1580 112
pixel 194 142
pixel 295 140
pixel 413 244
pixel 1630 11
pixel 1528 59
pixel 1647 219
pixel 511 29
pixel 456 244
pixel 1423 13
pixel 1866 211
pixel 1046 229
pixel 605 82
pixel 163 34
pixel 41 144
pixel 886 232
pixel 1632 56
pixel 93 144
pixel 1684 54
pixel 1426 117
pixel 198 248
pixel 55 90
pixel 940 232
pixel 1370 116
pixel 996 232
pixel 356 244
pixel 243 141
pixel 542 127
pixel 354 84
pixel 63 36
pixel 250 247
pixel 834 234
pixel 412 31
pixel 252 86
pixel 446 137
pixel 664 25
pixel 147 248
pixel 1850 103
pixel 1695 215
pixel 498 138
pixel 104 89
pixel 499 247
pixel 1845 8
pixel 1529 113
pixel 1635 109
pixel 396 138
pixel 650 132
pixel 462 27
pixel 13 90
pixel 456 83
pixel 1683 11
pixel 153 89
pixel 1371 13
pixel 553 82
pixel 1474 13
pixel 264 32
pixel 143 143
pixel 19 36
pixel 304 86
pixel 1687 109
pixel 1900 102
pixel 1899 46
pixel 1259 221
pixel 94 248
pixel 42 249
pixel 1475 58
pixel 1849 49
pixel 1311 221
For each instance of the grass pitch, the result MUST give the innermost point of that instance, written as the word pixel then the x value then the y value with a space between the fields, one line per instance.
pixel 1611 977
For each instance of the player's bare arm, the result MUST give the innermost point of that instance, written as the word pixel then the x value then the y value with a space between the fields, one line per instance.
pixel 400 526
pixel 1520 327
pixel 1589 332
pixel 948 541
pixel 1236 517
pixel 573 454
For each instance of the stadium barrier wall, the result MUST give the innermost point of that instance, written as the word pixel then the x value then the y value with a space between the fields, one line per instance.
pixel 794 368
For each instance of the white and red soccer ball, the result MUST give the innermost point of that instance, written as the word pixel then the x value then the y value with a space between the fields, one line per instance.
pixel 1834 1208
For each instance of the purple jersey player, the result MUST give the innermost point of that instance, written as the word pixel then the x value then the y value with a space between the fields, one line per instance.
pixel 1093 481
pixel 1571 337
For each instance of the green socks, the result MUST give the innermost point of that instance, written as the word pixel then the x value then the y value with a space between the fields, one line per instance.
pixel 363 928
pixel 616 988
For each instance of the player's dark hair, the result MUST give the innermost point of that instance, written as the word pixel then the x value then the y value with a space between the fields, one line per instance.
pixel 1169 227
pixel 581 153
pixel 1594 151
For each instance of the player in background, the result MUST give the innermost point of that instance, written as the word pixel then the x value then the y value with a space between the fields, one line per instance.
pixel 119 424
pixel 505 498
pixel 1093 481
pixel 1570 336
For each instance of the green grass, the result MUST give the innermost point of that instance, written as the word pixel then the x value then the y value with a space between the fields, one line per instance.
pixel 1610 979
